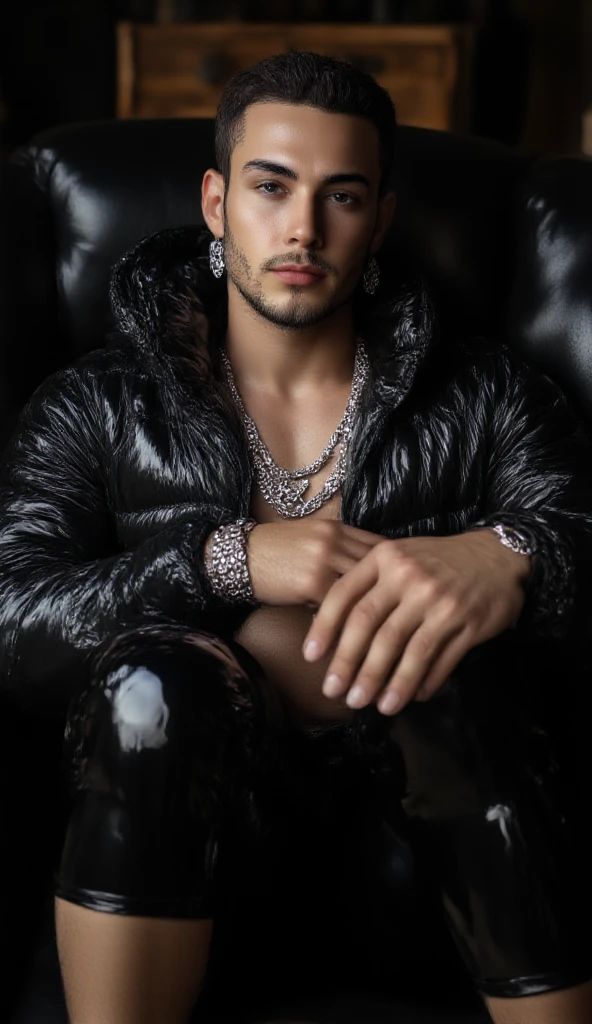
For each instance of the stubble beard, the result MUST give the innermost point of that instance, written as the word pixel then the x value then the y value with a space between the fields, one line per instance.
pixel 293 316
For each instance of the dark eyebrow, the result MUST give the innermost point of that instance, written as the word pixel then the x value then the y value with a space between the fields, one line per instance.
pixel 287 172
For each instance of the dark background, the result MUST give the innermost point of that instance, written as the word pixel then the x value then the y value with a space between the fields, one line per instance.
pixel 531 82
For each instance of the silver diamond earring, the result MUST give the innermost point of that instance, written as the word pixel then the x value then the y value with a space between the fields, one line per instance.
pixel 371 277
pixel 217 257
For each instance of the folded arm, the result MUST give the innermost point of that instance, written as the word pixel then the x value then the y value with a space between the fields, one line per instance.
pixel 409 612
pixel 63 588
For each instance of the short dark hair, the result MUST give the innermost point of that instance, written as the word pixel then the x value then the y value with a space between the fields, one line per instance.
pixel 312 80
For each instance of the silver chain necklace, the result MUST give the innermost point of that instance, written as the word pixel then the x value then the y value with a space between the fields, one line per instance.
pixel 284 489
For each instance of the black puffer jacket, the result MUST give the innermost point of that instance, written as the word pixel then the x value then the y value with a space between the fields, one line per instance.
pixel 124 462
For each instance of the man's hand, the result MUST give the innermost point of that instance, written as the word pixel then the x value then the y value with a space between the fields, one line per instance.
pixel 297 562
pixel 410 610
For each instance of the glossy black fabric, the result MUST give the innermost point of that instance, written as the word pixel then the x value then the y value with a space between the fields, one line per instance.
pixel 153 456
pixel 170 729
pixel 185 773
pixel 504 242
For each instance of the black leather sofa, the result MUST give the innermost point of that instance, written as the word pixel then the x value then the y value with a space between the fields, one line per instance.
pixel 505 241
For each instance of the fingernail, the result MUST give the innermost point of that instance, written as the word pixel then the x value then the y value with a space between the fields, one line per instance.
pixel 332 685
pixel 310 651
pixel 356 697
pixel 389 702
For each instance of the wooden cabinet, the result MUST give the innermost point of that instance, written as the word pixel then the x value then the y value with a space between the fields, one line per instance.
pixel 180 70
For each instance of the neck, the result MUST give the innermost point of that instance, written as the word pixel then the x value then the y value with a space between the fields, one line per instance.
pixel 289 361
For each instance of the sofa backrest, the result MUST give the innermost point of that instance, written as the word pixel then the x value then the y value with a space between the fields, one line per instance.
pixel 504 241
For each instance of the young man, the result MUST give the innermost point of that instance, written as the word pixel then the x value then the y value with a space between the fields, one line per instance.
pixel 281 509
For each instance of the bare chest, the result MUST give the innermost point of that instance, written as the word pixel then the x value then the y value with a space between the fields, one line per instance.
pixel 275 635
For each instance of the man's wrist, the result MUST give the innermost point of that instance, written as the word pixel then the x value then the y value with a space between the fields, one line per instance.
pixel 511 547
pixel 550 587
pixel 225 558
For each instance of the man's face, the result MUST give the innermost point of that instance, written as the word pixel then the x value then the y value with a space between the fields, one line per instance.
pixel 303 191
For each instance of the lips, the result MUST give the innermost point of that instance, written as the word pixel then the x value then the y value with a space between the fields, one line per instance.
pixel 300 274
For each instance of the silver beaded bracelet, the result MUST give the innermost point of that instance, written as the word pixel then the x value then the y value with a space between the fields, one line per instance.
pixel 226 562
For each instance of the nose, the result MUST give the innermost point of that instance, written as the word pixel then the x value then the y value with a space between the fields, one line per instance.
pixel 304 226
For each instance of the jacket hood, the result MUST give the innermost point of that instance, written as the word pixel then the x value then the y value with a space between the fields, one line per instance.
pixel 165 301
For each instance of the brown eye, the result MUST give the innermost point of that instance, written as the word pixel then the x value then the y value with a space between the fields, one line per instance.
pixel 272 186
pixel 343 198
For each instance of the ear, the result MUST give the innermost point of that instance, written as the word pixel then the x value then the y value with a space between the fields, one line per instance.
pixel 386 208
pixel 212 201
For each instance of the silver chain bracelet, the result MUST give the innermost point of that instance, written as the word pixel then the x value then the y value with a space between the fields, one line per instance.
pixel 509 537
pixel 226 562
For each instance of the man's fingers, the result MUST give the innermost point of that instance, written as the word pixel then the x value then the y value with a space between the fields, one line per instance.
pixel 355 548
pixel 427 662
pixel 364 537
pixel 382 652
pixel 335 607
pixel 365 656
pixel 444 666
pixel 345 559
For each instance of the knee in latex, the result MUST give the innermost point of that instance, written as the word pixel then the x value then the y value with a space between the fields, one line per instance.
pixel 165 738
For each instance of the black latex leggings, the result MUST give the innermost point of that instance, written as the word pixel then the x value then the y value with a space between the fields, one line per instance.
pixel 185 771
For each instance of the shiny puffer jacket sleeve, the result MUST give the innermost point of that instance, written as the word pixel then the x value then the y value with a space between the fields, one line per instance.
pixel 539 481
pixel 62 590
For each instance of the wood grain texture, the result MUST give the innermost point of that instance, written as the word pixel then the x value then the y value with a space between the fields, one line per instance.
pixel 180 70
